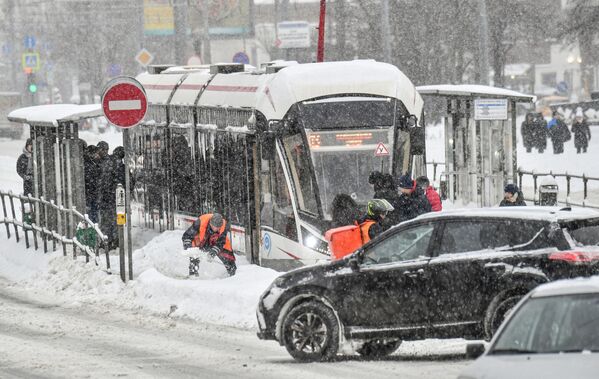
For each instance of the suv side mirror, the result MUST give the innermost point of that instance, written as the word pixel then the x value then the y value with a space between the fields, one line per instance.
pixel 475 350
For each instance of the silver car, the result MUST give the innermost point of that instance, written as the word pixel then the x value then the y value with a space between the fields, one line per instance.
pixel 552 333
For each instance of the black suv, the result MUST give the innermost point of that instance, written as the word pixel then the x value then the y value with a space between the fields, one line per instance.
pixel 442 275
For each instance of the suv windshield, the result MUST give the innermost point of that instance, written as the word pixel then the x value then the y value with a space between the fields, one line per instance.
pixel 567 323
pixel 584 232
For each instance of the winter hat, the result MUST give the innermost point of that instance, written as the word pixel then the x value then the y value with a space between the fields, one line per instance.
pixel 511 188
pixel 405 181
pixel 216 220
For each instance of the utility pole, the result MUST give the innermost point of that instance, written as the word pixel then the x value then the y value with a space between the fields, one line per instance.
pixel 386 31
pixel 323 14
pixel 180 17
pixel 483 41
pixel 12 48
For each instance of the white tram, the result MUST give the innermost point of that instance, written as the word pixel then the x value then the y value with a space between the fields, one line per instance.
pixel 271 148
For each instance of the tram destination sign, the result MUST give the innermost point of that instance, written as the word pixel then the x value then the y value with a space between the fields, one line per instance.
pixel 124 102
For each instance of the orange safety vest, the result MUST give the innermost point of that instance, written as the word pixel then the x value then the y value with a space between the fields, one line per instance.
pixel 364 229
pixel 200 238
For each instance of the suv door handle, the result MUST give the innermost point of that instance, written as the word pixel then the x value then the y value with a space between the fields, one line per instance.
pixel 414 274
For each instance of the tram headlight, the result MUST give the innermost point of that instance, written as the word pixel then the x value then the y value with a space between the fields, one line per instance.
pixel 311 241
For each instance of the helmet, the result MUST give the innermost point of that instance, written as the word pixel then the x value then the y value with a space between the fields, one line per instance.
pixel 377 207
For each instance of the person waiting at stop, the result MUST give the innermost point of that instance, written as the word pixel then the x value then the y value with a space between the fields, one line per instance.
pixel 210 232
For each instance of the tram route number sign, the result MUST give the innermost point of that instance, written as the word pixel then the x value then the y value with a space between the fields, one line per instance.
pixel 124 102
pixel 381 150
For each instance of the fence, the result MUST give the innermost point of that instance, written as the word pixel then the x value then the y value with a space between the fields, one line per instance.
pixel 585 181
pixel 52 224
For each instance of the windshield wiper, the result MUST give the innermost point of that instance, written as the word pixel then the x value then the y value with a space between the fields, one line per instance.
pixel 512 351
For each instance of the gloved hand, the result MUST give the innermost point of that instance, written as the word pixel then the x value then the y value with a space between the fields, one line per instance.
pixel 186 244
pixel 213 251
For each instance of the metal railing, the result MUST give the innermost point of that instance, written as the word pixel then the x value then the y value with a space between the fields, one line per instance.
pixel 585 181
pixel 49 222
pixel 435 165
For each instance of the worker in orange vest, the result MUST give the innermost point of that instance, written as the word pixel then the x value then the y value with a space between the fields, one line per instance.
pixel 371 224
pixel 210 232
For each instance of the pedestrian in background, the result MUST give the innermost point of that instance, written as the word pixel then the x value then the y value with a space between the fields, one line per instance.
pixel 112 174
pixel 581 131
pixel 558 132
pixel 513 197
pixel 431 194
pixel 527 130
pixel 540 132
pixel 25 167
pixel 412 200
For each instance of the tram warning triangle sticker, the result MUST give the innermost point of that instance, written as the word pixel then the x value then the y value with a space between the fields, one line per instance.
pixel 381 150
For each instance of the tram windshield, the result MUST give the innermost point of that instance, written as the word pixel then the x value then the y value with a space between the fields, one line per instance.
pixel 348 140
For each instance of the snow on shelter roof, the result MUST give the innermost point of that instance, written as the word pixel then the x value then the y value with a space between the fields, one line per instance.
pixel 474 90
pixel 51 114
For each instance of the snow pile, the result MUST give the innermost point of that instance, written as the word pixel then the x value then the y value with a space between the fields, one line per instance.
pixel 160 284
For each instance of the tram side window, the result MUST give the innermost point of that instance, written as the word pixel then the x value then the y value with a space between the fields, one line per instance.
pixel 301 172
pixel 240 172
pixel 283 216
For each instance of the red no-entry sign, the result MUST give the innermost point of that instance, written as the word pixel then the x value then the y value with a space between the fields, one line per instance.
pixel 124 102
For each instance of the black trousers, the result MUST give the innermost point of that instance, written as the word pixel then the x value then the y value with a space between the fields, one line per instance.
pixel 230 266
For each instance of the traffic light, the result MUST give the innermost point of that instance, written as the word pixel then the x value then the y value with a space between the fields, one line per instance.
pixel 31 83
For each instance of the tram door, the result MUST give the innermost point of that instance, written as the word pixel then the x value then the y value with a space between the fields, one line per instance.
pixel 224 181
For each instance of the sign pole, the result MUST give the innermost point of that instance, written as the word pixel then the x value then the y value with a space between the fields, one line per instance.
pixel 320 51
pixel 120 222
pixel 128 202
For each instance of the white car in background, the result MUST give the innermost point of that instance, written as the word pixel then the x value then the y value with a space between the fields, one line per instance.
pixel 552 333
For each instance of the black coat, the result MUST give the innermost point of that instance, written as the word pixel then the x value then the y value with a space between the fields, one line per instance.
pixel 518 203
pixel 113 173
pixel 92 172
pixel 412 205
pixel 528 132
pixel 25 171
pixel 582 133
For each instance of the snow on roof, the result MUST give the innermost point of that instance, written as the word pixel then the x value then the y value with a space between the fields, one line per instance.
pixel 568 287
pixel 310 80
pixel 473 90
pixel 527 213
pixel 51 114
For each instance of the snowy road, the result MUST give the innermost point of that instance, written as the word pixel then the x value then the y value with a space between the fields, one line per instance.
pixel 43 339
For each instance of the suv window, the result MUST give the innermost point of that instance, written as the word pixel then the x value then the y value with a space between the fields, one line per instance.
pixel 584 233
pixel 404 245
pixel 475 235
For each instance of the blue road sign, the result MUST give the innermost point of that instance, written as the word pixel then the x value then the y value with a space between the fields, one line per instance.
pixel 115 69
pixel 562 87
pixel 241 57
pixel 29 42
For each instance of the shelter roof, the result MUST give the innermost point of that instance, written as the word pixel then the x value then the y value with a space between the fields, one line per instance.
pixel 52 114
pixel 473 91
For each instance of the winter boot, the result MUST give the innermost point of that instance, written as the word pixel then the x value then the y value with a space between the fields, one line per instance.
pixel 194 266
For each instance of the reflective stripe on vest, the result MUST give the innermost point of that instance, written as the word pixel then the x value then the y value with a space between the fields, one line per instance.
pixel 364 229
pixel 199 239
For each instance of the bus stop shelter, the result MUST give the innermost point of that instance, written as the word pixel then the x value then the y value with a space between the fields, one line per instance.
pixel 480 140
pixel 57 158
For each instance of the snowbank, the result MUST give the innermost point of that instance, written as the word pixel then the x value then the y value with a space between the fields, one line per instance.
pixel 160 284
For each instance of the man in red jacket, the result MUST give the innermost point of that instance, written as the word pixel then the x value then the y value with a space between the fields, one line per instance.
pixel 432 195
